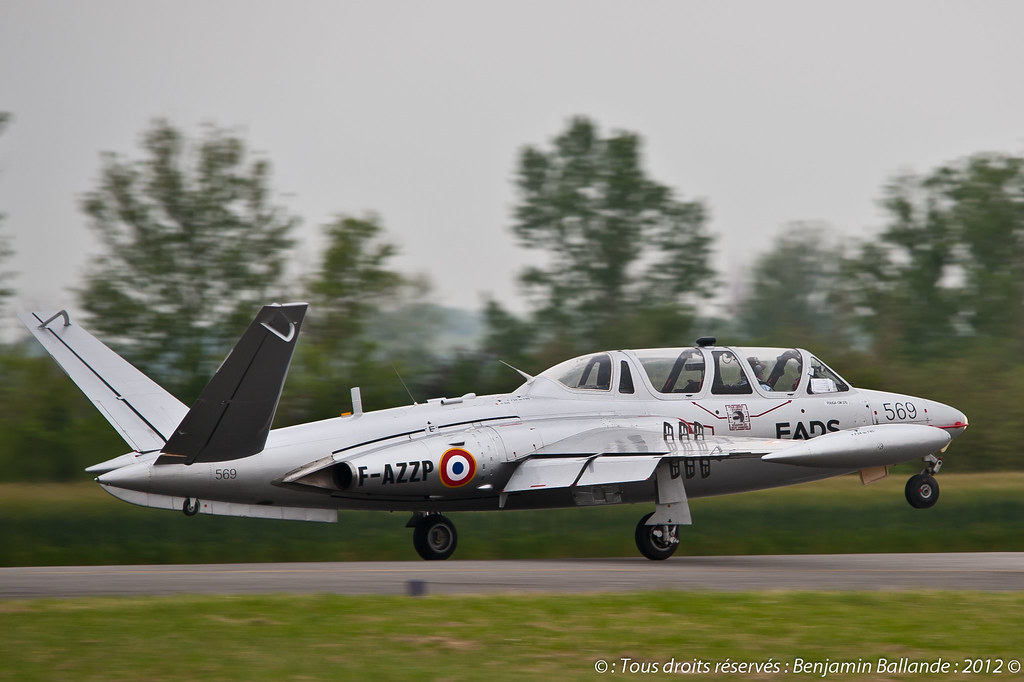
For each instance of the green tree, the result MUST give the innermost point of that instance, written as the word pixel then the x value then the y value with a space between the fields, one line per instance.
pixel 791 298
pixel 982 198
pixel 616 242
pixel 950 265
pixel 899 282
pixel 48 430
pixel 352 281
pixel 192 246
pixel 507 337
pixel 354 295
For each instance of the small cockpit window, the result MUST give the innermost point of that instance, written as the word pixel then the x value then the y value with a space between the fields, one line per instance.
pixel 625 378
pixel 824 380
pixel 729 376
pixel 592 372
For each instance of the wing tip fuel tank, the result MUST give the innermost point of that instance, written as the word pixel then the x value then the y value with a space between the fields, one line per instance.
pixel 865 447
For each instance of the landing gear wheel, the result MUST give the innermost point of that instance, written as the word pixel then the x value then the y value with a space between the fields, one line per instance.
pixel 656 542
pixel 190 506
pixel 434 537
pixel 922 491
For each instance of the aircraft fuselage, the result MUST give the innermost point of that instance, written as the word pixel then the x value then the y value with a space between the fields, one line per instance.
pixel 400 459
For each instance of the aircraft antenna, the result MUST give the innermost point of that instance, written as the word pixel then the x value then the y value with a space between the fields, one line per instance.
pixel 397 374
pixel 523 374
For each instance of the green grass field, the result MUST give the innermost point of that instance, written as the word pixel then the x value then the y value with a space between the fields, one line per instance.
pixel 80 524
pixel 330 637
pixel 546 637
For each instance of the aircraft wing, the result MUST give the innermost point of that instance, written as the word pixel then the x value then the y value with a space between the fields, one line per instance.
pixel 624 455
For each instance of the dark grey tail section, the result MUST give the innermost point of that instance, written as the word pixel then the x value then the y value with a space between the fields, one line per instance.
pixel 232 417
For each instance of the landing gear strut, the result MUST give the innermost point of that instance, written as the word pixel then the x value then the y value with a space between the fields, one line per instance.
pixel 433 536
pixel 922 489
pixel 656 542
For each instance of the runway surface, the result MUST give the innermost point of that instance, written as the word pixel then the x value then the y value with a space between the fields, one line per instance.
pixel 980 571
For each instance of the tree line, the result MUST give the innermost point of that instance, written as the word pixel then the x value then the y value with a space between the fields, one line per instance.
pixel 192 243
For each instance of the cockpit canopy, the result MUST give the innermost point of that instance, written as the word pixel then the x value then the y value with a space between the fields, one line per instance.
pixel 695 371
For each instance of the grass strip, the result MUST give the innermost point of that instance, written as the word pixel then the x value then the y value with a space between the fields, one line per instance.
pixel 80 524
pixel 510 637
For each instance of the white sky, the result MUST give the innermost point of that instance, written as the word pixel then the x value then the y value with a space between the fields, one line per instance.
pixel 770 111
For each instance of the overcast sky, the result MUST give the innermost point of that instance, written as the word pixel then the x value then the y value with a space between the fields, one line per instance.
pixel 771 112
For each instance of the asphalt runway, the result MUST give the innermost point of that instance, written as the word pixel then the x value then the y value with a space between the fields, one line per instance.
pixel 977 571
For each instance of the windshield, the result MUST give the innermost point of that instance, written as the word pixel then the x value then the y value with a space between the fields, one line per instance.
pixel 590 372
pixel 824 380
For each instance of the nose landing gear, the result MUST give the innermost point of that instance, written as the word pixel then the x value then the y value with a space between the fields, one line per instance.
pixel 922 489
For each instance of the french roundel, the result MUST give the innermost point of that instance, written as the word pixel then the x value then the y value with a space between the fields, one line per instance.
pixel 457 467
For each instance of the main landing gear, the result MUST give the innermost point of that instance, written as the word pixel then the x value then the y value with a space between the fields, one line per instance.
pixel 656 542
pixel 433 535
pixel 922 489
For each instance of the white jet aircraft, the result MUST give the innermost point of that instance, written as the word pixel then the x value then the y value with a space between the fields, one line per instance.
pixel 656 426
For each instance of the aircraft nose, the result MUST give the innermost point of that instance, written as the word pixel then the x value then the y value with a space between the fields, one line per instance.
pixel 948 418
pixel 131 477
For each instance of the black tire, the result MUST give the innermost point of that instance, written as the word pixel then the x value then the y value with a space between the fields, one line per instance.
pixel 652 542
pixel 190 506
pixel 922 491
pixel 434 537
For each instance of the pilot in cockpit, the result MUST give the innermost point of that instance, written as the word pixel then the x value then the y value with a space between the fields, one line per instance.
pixel 758 367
